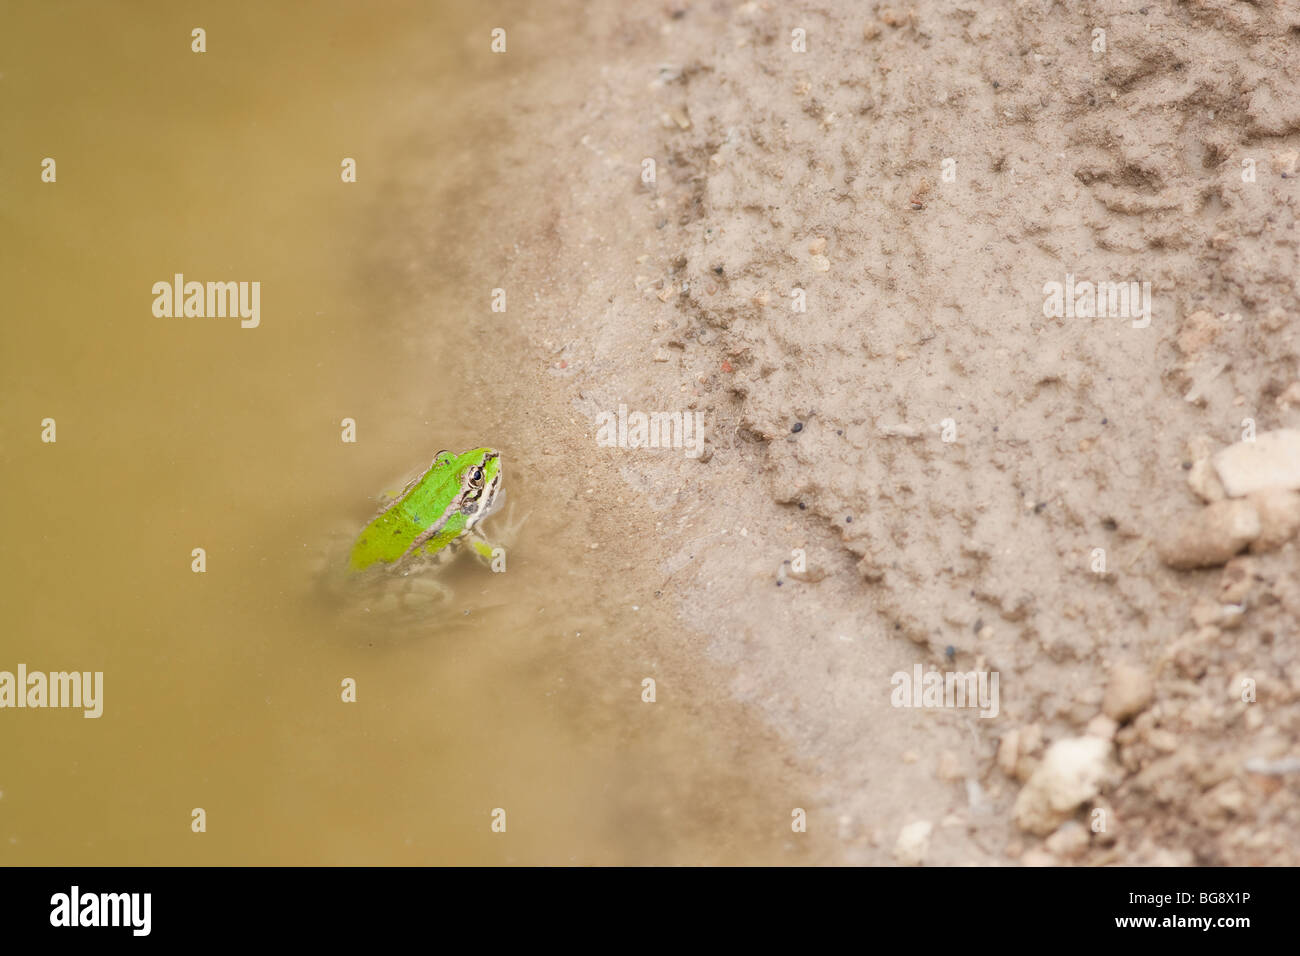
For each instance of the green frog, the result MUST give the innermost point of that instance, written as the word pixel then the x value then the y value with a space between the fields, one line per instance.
pixel 426 524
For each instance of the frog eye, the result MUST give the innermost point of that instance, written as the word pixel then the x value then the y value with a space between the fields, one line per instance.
pixel 476 476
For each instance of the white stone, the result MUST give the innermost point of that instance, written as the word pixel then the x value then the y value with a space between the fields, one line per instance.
pixel 1272 460
pixel 1072 771
pixel 1279 518
pixel 1069 841
pixel 1204 482
pixel 1210 536
pixel 1128 692
pixel 913 843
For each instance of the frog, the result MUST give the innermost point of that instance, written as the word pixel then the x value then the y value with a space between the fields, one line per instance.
pixel 433 519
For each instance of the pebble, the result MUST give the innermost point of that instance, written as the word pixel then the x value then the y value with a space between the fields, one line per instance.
pixel 1204 482
pixel 1165 741
pixel 913 843
pixel 1016 752
pixel 1290 397
pixel 1211 536
pixel 1072 771
pixel 1198 330
pixel 1101 726
pixel 1128 693
pixel 1230 797
pixel 1069 840
pixel 1231 615
pixel 1236 581
pixel 1279 518
pixel 1272 460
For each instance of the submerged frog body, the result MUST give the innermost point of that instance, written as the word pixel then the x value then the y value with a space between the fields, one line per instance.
pixel 424 526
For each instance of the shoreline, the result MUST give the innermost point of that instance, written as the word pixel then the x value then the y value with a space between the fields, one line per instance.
pixel 867 422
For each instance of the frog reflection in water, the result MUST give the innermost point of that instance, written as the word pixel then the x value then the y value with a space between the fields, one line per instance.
pixel 423 528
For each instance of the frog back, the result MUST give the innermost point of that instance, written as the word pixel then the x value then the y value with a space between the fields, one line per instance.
pixel 385 539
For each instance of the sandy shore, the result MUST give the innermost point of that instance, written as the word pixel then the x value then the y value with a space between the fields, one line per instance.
pixel 842 262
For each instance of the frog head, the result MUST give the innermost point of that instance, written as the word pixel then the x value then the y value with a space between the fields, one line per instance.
pixel 478 473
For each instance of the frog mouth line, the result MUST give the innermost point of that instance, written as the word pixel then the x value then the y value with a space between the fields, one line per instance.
pixel 490 505
pixel 498 502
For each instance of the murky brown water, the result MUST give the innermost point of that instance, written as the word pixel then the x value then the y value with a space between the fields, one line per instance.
pixel 222 689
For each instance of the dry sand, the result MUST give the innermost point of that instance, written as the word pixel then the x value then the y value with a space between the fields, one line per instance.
pixel 824 171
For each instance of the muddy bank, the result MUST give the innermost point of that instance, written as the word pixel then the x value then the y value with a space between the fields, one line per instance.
pixel 844 261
